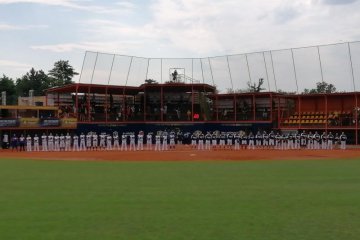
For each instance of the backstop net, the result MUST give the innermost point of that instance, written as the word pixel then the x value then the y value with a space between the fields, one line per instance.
pixel 287 70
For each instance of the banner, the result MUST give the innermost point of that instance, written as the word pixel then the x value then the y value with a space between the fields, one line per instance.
pixel 69 122
pixel 29 122
pixel 9 122
pixel 50 122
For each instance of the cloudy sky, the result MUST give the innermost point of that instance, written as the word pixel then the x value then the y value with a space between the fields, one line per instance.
pixel 39 32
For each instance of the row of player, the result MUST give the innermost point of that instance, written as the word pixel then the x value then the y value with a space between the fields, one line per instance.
pixel 164 141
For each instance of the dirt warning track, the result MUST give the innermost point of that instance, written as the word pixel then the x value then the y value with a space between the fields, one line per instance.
pixel 186 154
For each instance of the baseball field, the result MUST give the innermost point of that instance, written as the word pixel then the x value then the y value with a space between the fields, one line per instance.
pixel 181 195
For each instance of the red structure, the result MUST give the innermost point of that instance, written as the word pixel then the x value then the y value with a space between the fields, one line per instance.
pixel 200 103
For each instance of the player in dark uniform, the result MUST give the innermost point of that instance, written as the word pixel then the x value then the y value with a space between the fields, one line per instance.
pixel 237 141
pixel 251 138
pixel 265 140
pixel 310 141
pixel 258 139
pixel 14 143
pixel 230 140
pixel 303 139
pixel 343 139
pixel 244 141
pixel 323 140
pixel 317 139
pixel 330 141
pixel 194 140
pixel 290 144
pixel 271 139
pixel 222 140
pixel 297 140
pixel 336 139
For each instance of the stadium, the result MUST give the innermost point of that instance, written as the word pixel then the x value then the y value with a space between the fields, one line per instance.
pixel 224 93
pixel 188 189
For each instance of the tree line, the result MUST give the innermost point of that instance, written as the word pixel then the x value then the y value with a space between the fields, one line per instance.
pixel 61 74
pixel 321 87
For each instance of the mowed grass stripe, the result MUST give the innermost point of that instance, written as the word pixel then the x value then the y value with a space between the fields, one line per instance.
pixel 180 200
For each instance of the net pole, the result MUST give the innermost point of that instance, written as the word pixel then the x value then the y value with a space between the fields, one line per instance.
pixel 267 74
pixel 161 70
pixel 92 75
pixel 192 70
pixel 321 69
pixel 351 66
pixel 202 70
pixel 248 68
pixel 147 69
pixel 111 68
pixel 82 67
pixel 295 75
pixel 273 69
pixel 211 72
pixel 128 73
pixel 232 85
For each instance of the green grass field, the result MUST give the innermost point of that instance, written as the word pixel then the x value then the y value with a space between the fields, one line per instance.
pixel 180 200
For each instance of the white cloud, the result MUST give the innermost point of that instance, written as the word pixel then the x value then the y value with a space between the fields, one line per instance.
pixel 74 4
pixel 14 64
pixel 7 27
pixel 108 46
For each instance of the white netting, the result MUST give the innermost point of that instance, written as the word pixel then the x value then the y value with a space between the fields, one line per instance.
pixel 290 70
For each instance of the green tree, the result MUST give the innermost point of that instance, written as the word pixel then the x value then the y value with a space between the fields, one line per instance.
pixel 62 74
pixel 33 80
pixel 8 85
pixel 321 87
pixel 256 87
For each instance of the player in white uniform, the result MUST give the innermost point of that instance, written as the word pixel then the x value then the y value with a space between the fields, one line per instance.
pixel 207 141
pixel 222 140
pixel 172 140
pixel 28 143
pixel 82 142
pixel 108 142
pixel 237 141
pixel 214 138
pixel 123 142
pixel 157 142
pixel 51 142
pixel 102 141
pixel 75 143
pixel 67 142
pixel 140 141
pixel 36 143
pixel 88 141
pixel 149 141
pixel 94 141
pixel 132 142
pixel 44 144
pixel 116 141
pixel 62 142
pixel 56 143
